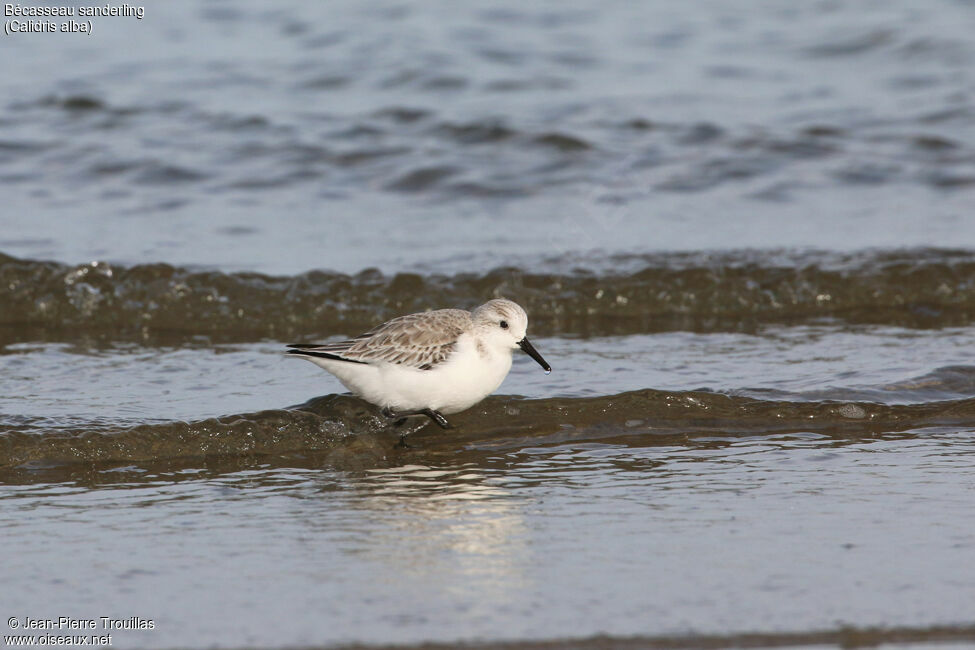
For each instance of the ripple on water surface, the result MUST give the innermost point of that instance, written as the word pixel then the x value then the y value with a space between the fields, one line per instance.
pixel 640 125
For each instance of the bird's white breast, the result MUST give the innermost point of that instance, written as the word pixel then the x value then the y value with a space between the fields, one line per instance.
pixel 466 377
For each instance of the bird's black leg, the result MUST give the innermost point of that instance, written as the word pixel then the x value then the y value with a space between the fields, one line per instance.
pixel 436 416
pixel 400 421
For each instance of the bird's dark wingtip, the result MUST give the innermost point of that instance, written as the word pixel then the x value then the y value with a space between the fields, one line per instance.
pixel 319 354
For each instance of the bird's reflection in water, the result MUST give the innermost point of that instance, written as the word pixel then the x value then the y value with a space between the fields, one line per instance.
pixel 455 526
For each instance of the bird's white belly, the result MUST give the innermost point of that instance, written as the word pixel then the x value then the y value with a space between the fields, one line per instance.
pixel 463 380
pixel 451 387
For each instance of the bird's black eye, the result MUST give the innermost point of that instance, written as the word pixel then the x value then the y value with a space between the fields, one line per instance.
pixel 504 324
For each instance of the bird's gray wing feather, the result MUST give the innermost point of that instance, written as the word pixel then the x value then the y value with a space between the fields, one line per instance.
pixel 419 341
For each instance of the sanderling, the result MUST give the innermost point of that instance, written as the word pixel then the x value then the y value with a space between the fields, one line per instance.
pixel 435 362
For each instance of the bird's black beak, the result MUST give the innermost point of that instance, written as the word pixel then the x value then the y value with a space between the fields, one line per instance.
pixel 530 350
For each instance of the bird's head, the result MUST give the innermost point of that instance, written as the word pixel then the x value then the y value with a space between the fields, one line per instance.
pixel 503 324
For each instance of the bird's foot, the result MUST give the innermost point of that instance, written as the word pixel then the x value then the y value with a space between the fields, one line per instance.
pixel 402 443
pixel 436 416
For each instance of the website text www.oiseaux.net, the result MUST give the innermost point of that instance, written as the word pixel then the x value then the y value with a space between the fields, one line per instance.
pixel 67 631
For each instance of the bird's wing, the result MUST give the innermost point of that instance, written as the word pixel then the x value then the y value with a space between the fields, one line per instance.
pixel 420 341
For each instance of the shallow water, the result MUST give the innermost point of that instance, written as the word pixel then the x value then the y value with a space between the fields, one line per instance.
pixel 675 538
pixel 827 457
pixel 813 363
pixel 742 237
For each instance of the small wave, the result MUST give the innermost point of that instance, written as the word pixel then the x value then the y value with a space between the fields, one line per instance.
pixel 403 114
pixel 421 179
pixel 339 423
pixel 562 142
pixel 477 132
pixel 852 45
pixel 736 291
pixel 74 103
pixel 159 173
